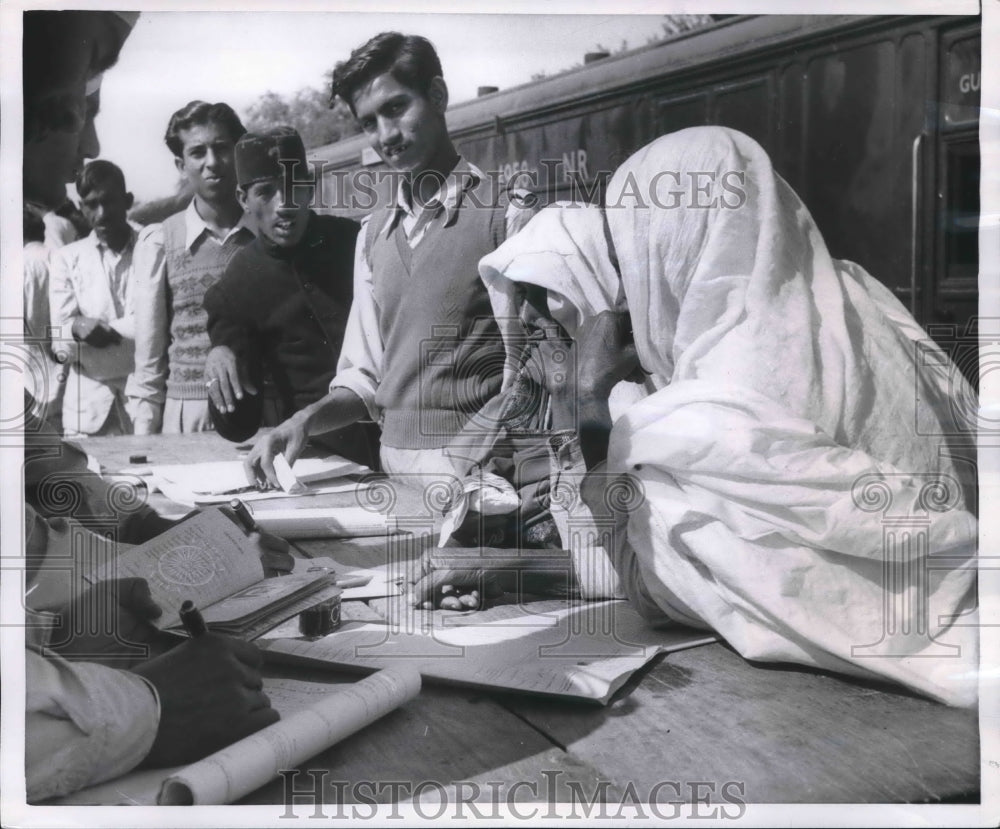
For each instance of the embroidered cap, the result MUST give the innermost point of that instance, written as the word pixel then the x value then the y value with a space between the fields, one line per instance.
pixel 258 155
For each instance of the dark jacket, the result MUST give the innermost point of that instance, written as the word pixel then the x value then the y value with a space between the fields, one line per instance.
pixel 283 313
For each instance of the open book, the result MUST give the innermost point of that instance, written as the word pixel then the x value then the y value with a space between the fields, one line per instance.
pixel 209 559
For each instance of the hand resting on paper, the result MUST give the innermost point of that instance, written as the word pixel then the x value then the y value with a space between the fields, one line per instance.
pixel 474 578
pixel 110 623
pixel 211 695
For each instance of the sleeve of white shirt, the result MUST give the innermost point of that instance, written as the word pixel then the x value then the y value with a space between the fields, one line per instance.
pixel 84 723
pixel 360 366
pixel 146 386
pixel 64 307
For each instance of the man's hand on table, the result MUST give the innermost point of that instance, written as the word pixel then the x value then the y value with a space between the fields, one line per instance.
pixel 288 438
pixel 224 379
pixel 211 694
pixel 473 578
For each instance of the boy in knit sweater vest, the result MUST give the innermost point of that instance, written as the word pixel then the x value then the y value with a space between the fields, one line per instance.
pixel 422 353
pixel 175 263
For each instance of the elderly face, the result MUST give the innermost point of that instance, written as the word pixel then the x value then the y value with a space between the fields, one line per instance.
pixel 62 96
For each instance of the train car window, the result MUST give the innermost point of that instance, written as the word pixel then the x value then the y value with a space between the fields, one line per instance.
pixel 680 113
pixel 962 79
pixel 961 213
pixel 747 107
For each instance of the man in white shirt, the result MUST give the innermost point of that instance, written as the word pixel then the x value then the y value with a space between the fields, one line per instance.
pixel 90 296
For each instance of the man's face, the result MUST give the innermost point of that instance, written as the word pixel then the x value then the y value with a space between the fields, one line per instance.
pixel 405 128
pixel 54 156
pixel 207 161
pixel 283 225
pixel 106 208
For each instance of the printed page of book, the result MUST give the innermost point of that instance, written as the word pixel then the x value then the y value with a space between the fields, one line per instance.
pixel 205 558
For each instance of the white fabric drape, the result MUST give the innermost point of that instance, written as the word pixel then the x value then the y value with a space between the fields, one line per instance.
pixel 804 459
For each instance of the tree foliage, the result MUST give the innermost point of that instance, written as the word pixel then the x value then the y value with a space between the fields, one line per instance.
pixel 308 111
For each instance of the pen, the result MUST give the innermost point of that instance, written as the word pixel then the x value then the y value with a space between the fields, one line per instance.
pixel 243 515
pixel 193 621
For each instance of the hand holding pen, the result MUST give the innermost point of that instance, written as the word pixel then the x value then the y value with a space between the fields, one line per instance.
pixel 274 551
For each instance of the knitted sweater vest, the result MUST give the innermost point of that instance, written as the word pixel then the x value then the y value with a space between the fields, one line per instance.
pixel 443 353
pixel 189 273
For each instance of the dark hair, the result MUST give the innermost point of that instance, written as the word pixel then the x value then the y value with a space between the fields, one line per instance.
pixel 48 37
pixel 198 113
pixel 34 227
pixel 99 173
pixel 410 59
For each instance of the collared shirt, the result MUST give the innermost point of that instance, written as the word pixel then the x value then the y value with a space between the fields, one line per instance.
pixel 197 231
pixel 360 365
pixel 89 279
pixel 146 388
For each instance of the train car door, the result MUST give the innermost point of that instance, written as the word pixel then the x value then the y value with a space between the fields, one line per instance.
pixel 949 308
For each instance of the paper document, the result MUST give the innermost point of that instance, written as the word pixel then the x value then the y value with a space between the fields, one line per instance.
pixel 190 483
pixel 324 522
pixel 314 716
pixel 569 649
pixel 378 585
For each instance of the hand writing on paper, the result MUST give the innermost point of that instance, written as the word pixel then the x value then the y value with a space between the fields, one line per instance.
pixel 211 695
pixel 274 552
pixel 110 623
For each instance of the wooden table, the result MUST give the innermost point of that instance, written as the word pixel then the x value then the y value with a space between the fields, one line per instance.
pixel 701 725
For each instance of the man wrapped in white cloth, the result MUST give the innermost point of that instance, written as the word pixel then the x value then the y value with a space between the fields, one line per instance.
pixel 805 485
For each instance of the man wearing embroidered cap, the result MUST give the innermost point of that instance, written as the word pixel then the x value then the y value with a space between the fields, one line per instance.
pixel 279 312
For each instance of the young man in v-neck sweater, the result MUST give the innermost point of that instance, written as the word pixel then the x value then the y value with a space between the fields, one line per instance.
pixel 422 353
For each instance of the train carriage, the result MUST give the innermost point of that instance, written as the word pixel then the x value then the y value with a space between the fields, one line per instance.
pixel 873 121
